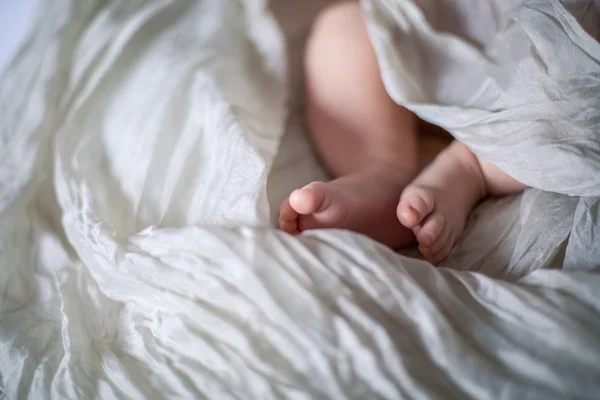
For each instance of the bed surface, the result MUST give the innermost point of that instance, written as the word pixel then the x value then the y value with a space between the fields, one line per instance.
pixel 138 257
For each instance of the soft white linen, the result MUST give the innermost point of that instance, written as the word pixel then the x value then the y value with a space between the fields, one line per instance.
pixel 137 258
pixel 526 99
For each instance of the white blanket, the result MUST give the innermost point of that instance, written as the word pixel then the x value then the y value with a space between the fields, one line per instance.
pixel 137 257
pixel 525 96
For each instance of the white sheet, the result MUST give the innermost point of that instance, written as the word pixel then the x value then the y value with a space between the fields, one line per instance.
pixel 525 98
pixel 137 259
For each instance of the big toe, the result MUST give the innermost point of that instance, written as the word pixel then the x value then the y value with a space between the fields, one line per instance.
pixel 308 199
pixel 415 205
pixel 288 218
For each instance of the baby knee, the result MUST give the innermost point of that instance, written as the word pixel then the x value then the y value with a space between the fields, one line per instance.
pixel 334 36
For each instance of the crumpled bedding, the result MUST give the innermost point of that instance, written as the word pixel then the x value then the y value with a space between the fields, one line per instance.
pixel 139 172
pixel 526 99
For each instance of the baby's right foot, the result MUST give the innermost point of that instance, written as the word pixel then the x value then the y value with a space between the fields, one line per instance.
pixel 437 204
pixel 364 202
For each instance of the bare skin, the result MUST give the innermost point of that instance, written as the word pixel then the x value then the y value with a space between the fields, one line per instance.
pixel 370 144
pixel 365 139
pixel 437 203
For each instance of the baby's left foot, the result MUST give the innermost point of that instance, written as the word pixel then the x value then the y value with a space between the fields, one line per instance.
pixel 438 202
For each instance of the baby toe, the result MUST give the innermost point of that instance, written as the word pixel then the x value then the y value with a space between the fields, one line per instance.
pixel 431 230
pixel 289 227
pixel 286 212
pixel 288 218
pixel 441 240
pixel 308 199
pixel 443 253
pixel 414 206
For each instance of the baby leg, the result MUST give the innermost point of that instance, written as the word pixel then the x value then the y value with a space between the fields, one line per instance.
pixel 367 141
pixel 437 203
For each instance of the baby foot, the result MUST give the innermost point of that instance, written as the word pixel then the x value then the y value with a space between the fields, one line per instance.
pixel 322 203
pixel 363 202
pixel 438 202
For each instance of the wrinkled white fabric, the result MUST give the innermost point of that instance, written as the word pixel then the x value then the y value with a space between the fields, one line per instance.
pixel 137 258
pixel 526 100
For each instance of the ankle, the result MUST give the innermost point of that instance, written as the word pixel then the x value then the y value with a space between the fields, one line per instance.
pixel 403 165
pixel 470 163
